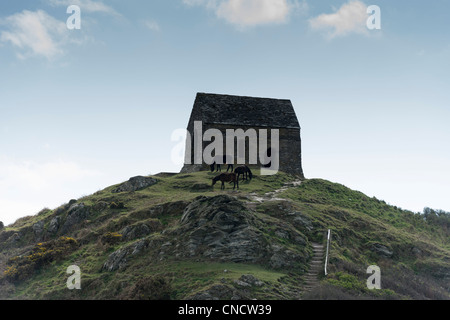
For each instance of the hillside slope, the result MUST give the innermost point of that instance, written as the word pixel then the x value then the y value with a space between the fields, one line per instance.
pixel 173 236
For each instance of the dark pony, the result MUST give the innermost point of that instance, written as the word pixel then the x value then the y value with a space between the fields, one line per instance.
pixel 217 165
pixel 245 171
pixel 226 177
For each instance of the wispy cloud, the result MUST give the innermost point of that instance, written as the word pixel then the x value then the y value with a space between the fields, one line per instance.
pixel 151 25
pixel 34 33
pixel 249 13
pixel 89 6
pixel 350 18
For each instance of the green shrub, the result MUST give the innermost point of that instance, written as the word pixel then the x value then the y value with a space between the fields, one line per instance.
pixel 346 281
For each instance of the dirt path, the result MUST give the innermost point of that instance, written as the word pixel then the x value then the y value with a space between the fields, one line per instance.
pixel 272 195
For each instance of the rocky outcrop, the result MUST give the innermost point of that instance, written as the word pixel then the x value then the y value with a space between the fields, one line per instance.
pixel 135 183
pixel 222 228
pixel 54 225
pixel 301 221
pixel 38 229
pixel 249 280
pixel 76 213
pixel 140 230
pixel 283 257
pixel 382 250
pixel 119 258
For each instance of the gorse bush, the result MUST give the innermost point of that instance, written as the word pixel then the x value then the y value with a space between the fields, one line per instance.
pixel 22 267
pixel 111 238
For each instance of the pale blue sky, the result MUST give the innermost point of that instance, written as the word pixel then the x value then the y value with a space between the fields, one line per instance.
pixel 83 109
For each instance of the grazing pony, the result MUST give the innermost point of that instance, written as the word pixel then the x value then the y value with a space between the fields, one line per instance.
pixel 226 177
pixel 224 161
pixel 245 171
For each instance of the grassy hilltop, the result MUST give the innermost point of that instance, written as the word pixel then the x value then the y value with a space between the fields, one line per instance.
pixel 176 237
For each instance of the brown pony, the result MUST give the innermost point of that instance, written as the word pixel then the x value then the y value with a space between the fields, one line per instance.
pixel 226 177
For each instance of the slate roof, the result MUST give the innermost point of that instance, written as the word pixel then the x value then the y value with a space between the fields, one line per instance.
pixel 243 111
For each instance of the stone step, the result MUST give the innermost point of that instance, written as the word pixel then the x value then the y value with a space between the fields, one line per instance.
pixel 315 267
pixel 316 263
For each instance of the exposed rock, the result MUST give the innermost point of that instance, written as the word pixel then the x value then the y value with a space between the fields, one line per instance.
pixel 14 238
pixel 382 250
pixel 38 229
pixel 118 259
pixel 100 206
pixel 281 233
pixel 140 230
pixel 76 213
pixel 285 231
pixel 283 258
pixel 135 183
pixel 60 210
pixel 221 228
pixel 302 222
pixel 54 225
pixel 241 283
pixel 251 280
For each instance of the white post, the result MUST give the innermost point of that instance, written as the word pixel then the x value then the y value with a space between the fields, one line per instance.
pixel 326 256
